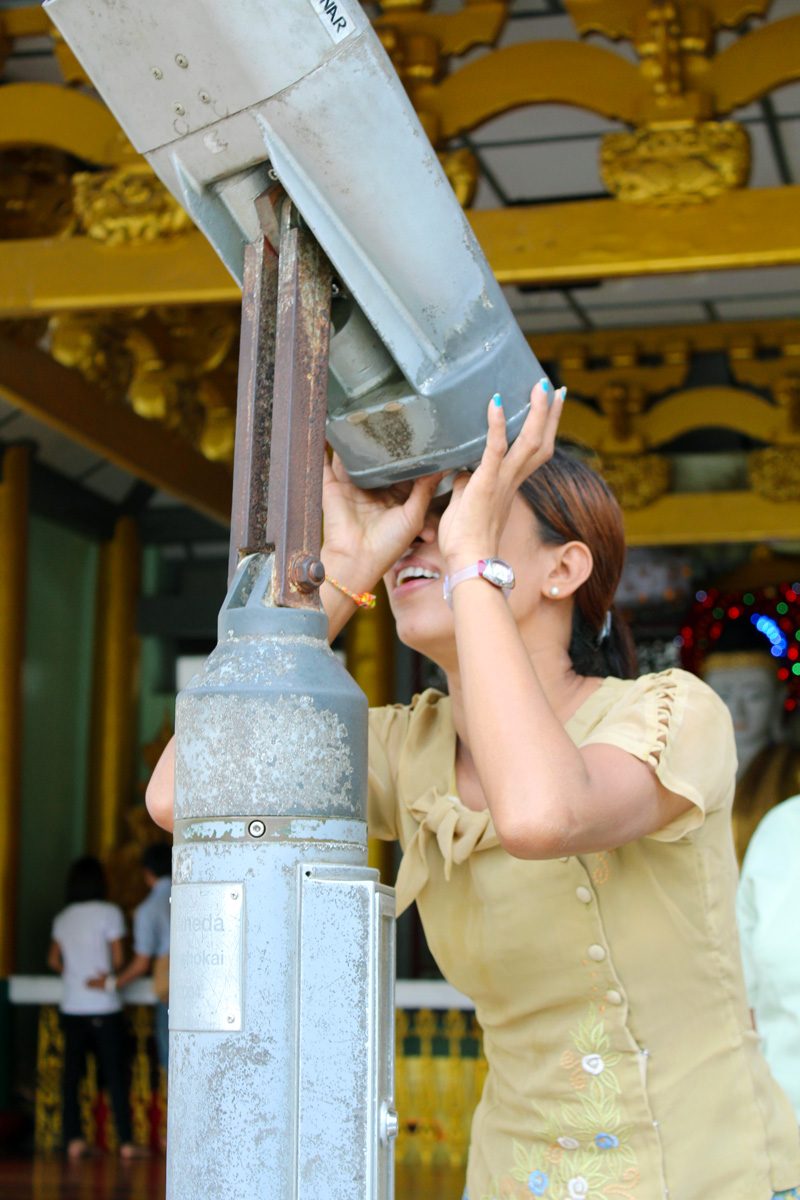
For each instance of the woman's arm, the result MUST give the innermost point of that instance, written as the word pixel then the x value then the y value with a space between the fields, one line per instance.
pixel 547 797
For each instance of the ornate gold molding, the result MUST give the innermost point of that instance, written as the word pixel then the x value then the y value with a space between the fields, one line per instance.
pixel 126 204
pixel 774 473
pixel 676 164
pixel 636 481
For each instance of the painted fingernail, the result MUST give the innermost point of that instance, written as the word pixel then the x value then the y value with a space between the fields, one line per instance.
pixel 497 400
pixel 545 385
pixel 563 393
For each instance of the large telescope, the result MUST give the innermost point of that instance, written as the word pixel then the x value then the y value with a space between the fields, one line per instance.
pixel 282 951
pixel 219 95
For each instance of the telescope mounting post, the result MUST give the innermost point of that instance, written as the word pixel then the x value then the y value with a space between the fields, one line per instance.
pixel 282 404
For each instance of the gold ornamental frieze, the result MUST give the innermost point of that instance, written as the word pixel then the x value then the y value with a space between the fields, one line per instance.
pixel 774 473
pixel 676 164
pixel 636 481
pixel 126 204
pixel 174 366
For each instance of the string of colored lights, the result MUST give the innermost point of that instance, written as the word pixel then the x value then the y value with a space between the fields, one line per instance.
pixel 774 611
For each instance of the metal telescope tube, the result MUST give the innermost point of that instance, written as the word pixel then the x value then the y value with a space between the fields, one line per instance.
pixel 219 94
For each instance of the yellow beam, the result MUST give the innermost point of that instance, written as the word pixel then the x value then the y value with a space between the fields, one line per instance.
pixel 62 398
pixel 547 245
pixel 704 517
pixel 606 239
pixel 557 72
pixel 13 579
pixel 75 274
pixel 46 114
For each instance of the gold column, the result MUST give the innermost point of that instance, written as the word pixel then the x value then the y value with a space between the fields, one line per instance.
pixel 370 660
pixel 115 687
pixel 13 586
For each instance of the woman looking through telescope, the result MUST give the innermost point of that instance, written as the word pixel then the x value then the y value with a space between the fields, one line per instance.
pixel 566 835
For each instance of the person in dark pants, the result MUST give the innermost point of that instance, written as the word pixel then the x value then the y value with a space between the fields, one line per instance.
pixel 87 941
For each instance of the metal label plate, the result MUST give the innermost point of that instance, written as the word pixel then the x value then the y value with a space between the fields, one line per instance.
pixel 206 936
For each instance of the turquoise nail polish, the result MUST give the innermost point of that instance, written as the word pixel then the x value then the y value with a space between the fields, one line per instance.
pixel 546 386
pixel 497 399
pixel 563 393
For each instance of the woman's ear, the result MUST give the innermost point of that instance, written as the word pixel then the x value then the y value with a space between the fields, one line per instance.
pixel 572 566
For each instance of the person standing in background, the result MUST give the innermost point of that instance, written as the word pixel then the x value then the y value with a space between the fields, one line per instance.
pixel 87 942
pixel 150 942
pixel 768 910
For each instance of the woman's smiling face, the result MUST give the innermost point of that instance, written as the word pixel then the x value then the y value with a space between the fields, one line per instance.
pixel 414 583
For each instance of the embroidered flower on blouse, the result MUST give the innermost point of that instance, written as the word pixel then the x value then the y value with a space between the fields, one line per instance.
pixel 538 1182
pixel 578 1187
pixel 593 1064
pixel 568 1143
pixel 606 1141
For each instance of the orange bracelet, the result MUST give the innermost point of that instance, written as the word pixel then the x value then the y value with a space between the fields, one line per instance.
pixel 361 599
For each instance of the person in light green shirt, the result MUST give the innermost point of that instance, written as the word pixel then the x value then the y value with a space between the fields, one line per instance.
pixel 768 909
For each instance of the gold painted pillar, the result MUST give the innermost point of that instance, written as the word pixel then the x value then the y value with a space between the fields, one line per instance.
pixel 115 688
pixel 13 587
pixel 370 660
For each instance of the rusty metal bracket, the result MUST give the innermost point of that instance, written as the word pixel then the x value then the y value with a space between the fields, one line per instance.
pixel 281 408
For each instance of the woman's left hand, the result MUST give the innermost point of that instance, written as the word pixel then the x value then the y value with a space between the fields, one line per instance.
pixel 473 522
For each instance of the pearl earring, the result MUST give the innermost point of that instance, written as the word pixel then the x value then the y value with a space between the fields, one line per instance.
pixel 554 590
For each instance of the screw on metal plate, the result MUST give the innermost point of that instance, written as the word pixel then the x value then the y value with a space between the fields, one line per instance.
pixel 272 174
pixel 231 1020
pixel 156 72
pixel 205 98
pixel 307 573
pixel 256 829
pixel 182 60
pixel 179 109
pixel 389 1123
pixel 234 895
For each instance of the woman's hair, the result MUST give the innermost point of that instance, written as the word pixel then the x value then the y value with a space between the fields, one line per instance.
pixel 86 880
pixel 572 503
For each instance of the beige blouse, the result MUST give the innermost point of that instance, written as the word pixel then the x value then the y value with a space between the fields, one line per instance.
pixel 622 1062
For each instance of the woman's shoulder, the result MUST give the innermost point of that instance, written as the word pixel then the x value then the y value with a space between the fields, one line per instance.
pixel 668 687
pixel 657 708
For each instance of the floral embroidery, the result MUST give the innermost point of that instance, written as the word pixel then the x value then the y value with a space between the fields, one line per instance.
pixel 593 1064
pixel 538 1182
pixel 584 1152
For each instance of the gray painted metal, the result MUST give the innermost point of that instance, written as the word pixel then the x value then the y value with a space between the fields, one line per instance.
pixel 282 958
pixel 223 97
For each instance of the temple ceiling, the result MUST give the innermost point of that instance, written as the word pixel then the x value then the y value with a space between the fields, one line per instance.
pixel 628 167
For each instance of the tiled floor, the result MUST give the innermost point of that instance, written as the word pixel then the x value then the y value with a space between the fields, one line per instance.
pixel 109 1179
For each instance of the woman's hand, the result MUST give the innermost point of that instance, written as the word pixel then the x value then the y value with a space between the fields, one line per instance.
pixel 475 518
pixel 367 531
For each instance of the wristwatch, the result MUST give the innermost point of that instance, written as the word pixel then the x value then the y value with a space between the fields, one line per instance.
pixel 494 570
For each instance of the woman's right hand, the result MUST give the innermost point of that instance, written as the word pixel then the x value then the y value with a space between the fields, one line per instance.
pixel 367 531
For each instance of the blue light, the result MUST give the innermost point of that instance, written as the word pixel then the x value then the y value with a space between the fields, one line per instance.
pixel 772 632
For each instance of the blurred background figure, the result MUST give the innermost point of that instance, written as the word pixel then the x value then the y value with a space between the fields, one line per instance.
pixel 744 674
pixel 87 942
pixel 151 941
pixel 769 924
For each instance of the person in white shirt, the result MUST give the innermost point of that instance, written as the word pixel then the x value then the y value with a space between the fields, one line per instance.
pixel 768 910
pixel 87 941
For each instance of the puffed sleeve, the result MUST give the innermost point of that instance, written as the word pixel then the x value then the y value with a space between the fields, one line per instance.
pixel 678 726
pixel 388 728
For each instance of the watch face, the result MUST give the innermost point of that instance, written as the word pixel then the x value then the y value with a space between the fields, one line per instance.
pixel 498 572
